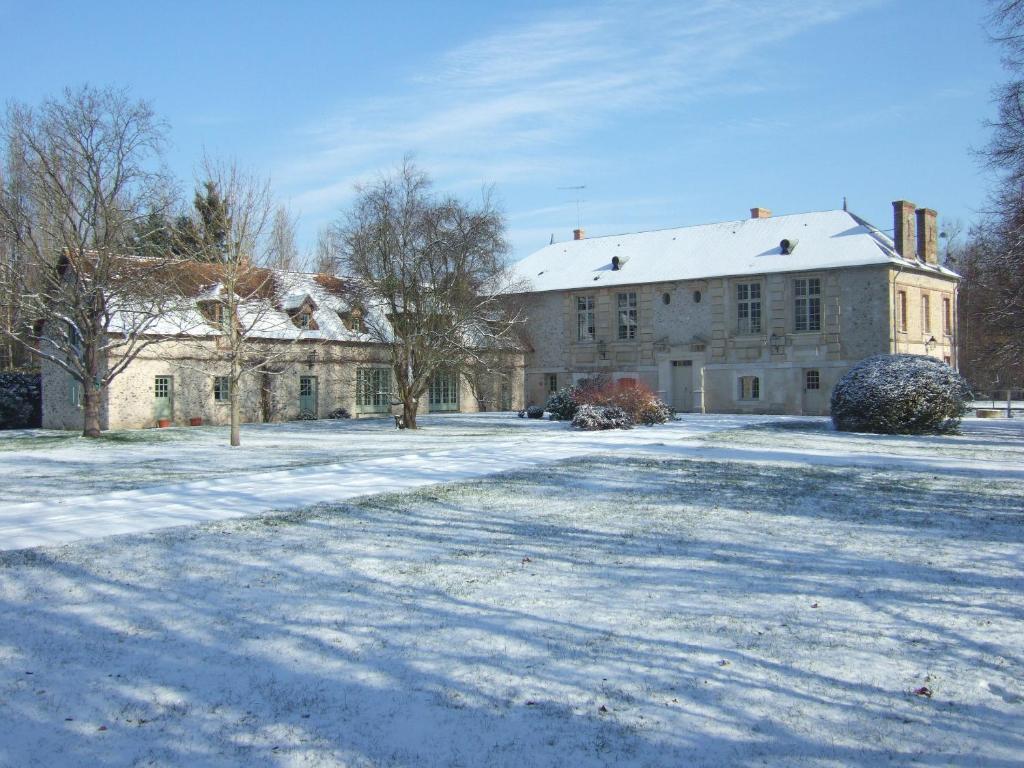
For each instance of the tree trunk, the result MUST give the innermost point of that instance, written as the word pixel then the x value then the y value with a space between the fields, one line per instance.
pixel 236 406
pixel 409 406
pixel 91 409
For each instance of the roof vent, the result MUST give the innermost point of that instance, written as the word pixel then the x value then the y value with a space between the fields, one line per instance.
pixel 788 246
pixel 618 262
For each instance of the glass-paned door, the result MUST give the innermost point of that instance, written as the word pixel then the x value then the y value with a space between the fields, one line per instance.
pixel 444 392
pixel 163 397
pixel 307 395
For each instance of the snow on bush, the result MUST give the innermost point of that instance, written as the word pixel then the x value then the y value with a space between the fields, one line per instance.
pixel 900 395
pixel 641 405
pixel 592 417
pixel 339 413
pixel 535 412
pixel 562 404
pixel 20 400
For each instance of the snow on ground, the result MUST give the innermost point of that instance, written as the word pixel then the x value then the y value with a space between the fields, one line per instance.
pixel 684 595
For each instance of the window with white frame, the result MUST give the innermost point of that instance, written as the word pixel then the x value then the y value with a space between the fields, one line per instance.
pixel 373 389
pixel 552 382
pixel 444 392
pixel 627 315
pixel 748 308
pixel 807 304
pixel 221 389
pixel 947 316
pixel 75 394
pixel 749 388
pixel 584 318
pixel 812 380
pixel 926 313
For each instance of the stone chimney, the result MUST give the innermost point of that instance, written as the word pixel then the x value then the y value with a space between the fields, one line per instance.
pixel 578 234
pixel 760 213
pixel 927 236
pixel 903 227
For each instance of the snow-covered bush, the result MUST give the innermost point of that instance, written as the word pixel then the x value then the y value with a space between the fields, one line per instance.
pixel 591 417
pixel 535 412
pixel 20 400
pixel 900 394
pixel 339 413
pixel 562 404
pixel 641 405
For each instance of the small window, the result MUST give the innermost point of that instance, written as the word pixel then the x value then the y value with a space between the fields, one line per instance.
pixel 162 387
pixel 666 298
pixel 221 389
pixel 696 297
pixel 749 388
pixel 926 314
pixel 901 308
pixel 75 394
pixel 552 382
pixel 812 380
pixel 353 320
pixel 947 316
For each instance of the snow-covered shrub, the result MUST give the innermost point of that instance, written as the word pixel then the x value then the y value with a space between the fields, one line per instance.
pixel 900 395
pixel 339 413
pixel 20 400
pixel 636 399
pixel 592 417
pixel 535 412
pixel 562 404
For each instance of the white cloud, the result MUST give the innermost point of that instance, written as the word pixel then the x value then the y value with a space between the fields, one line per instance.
pixel 516 102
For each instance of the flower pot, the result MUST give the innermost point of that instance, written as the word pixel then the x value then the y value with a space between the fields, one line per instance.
pixel 195 422
pixel 163 423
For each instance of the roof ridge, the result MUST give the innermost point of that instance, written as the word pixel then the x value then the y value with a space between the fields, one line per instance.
pixel 705 224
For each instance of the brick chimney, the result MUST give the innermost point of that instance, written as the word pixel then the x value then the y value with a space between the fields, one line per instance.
pixel 927 236
pixel 903 224
pixel 578 234
pixel 760 213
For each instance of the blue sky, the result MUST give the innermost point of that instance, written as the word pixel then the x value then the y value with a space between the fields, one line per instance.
pixel 671 113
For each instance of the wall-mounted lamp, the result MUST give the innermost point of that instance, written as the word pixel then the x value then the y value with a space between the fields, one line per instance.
pixel 311 358
pixel 929 344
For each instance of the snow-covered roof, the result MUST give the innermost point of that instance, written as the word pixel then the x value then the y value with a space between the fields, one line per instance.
pixel 265 311
pixel 824 240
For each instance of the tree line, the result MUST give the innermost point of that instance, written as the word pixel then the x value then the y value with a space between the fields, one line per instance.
pixel 93 236
pixel 991 259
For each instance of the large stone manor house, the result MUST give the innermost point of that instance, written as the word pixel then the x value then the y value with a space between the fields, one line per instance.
pixel 761 315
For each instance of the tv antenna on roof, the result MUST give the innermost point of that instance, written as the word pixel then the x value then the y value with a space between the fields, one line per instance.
pixel 577 190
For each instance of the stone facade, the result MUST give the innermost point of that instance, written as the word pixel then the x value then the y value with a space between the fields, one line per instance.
pixel 329 371
pixel 698 349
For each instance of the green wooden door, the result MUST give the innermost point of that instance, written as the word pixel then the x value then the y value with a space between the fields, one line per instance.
pixel 307 395
pixel 163 397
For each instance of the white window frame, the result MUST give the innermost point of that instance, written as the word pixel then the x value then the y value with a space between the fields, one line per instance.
pixel 586 328
pixel 628 317
pixel 551 382
pixel 443 392
pixel 807 305
pixel 748 308
pixel 75 393
pixel 222 387
pixel 373 389
pixel 748 388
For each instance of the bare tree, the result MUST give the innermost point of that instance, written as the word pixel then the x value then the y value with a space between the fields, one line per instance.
pixel 282 253
pixel 992 260
pixel 87 172
pixel 324 258
pixel 237 293
pixel 430 272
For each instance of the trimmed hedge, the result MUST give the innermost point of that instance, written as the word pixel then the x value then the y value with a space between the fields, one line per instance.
pixel 900 395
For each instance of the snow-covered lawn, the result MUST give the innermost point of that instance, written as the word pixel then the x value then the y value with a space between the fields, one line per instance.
pixel 721 591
